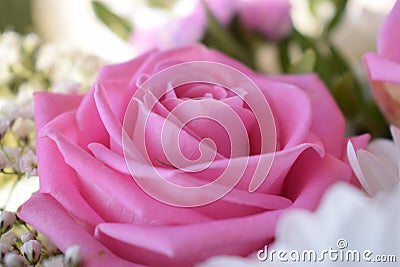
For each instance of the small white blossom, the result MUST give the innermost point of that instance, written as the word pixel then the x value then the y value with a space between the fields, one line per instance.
pixel 27 164
pixel 57 261
pixel 22 127
pixel 7 220
pixel 24 99
pixel 31 251
pixel 8 239
pixel 13 260
pixel 72 256
pixel 3 250
pixel 4 124
pixel 4 163
pixel 27 236
pixel 13 155
pixel 31 42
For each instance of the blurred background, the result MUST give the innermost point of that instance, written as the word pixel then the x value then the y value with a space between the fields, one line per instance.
pixel 75 22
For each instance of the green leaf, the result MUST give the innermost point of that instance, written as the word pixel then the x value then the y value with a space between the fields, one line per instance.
pixel 305 64
pixel 168 4
pixel 221 38
pixel 340 6
pixel 115 23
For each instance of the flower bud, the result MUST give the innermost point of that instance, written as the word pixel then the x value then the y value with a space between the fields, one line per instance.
pixel 27 236
pixel 72 256
pixel 13 260
pixel 31 251
pixel 3 250
pixel 7 220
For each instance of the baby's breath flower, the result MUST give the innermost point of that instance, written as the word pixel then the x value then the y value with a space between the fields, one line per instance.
pixel 8 239
pixel 3 250
pixel 27 236
pixel 4 124
pixel 27 164
pixel 7 220
pixel 13 155
pixel 30 42
pixel 31 251
pixel 22 127
pixel 56 261
pixel 72 256
pixel 3 160
pixel 13 260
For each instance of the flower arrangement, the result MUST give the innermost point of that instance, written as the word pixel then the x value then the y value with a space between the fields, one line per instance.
pixel 234 137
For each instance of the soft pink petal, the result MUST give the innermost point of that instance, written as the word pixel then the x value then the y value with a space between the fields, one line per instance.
pixel 389 36
pixel 383 76
pixel 122 200
pixel 47 216
pixel 55 174
pixel 292 111
pixel 327 120
pixel 50 105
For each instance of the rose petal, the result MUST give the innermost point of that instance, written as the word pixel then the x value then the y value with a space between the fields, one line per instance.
pixel 122 200
pixel 41 210
pixel 292 111
pixel 56 174
pixel 327 120
pixel 389 36
pixel 50 105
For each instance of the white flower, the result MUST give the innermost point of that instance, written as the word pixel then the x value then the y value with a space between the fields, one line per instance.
pixel 31 251
pixel 346 220
pixel 27 236
pixel 8 239
pixel 72 256
pixel 4 163
pixel 27 163
pixel 377 168
pixel 22 127
pixel 31 42
pixel 7 220
pixel 13 260
pixel 13 155
pixel 4 124
pixel 56 261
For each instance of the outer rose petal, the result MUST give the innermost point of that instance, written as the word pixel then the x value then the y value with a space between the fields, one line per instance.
pixel 54 173
pixel 50 218
pixel 50 105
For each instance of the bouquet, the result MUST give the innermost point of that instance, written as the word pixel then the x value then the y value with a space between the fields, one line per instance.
pixel 233 138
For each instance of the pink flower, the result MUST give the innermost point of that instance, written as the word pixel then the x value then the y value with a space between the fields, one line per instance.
pixel 89 198
pixel 181 30
pixel 271 18
pixel 383 67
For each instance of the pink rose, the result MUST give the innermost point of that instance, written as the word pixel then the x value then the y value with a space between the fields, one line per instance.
pixel 383 67
pixel 89 198
pixel 271 18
